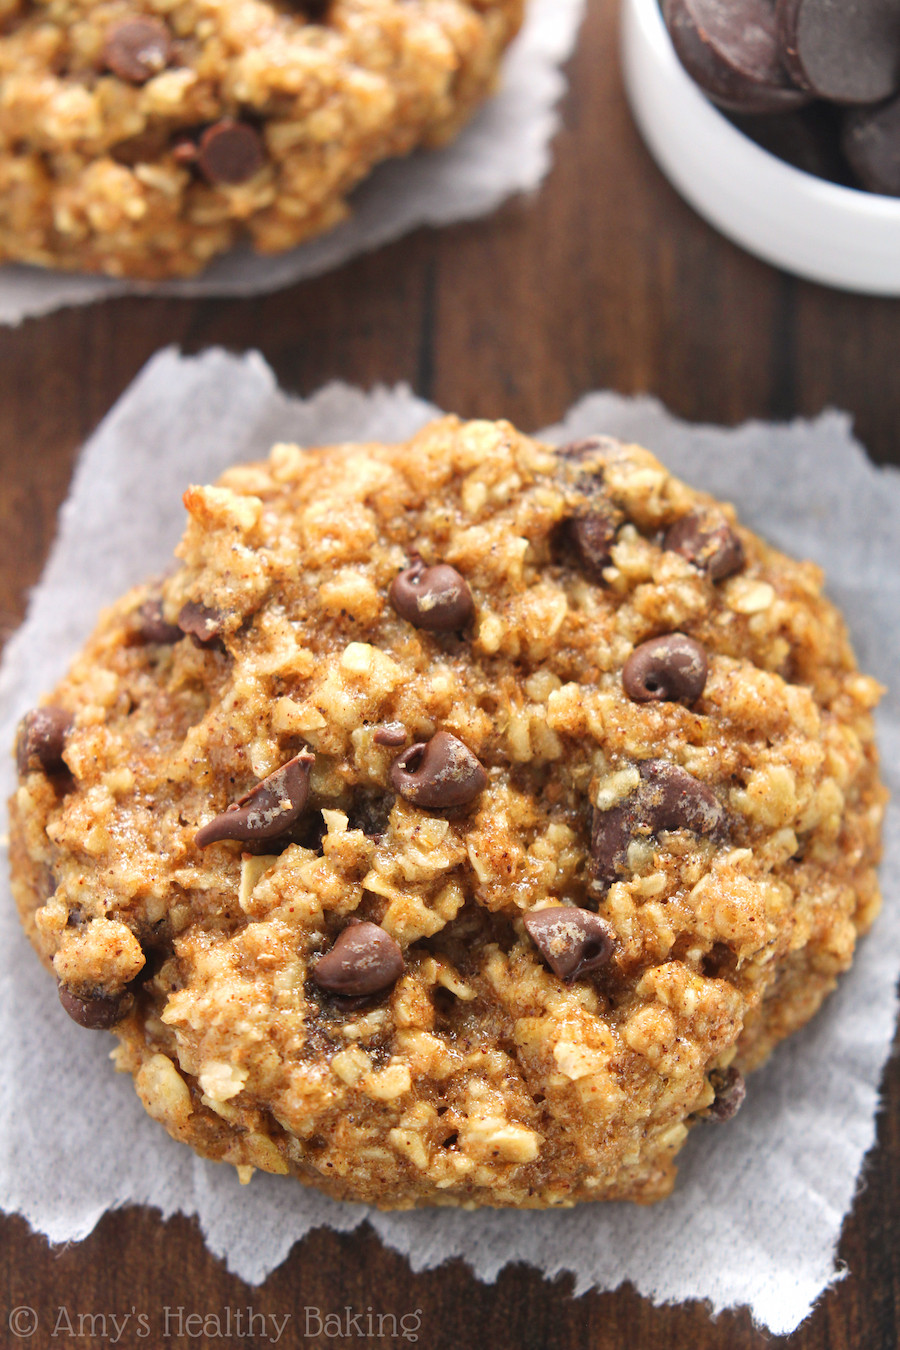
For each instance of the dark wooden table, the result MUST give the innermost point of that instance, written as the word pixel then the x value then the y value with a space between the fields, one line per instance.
pixel 604 280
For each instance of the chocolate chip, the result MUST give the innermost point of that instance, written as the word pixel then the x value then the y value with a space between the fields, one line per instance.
pixel 268 809
pixel 668 798
pixel 390 733
pixel 730 1089
pixel 668 669
pixel 673 799
pixel 137 49
pixel 230 152
pixel 439 773
pixel 364 960
pixel 730 48
pixel 871 142
pixel 435 598
pixel 591 537
pixel 581 449
pixel 41 740
pixel 707 540
pixel 202 623
pixel 98 1012
pixel 611 833
pixel 572 941
pixel 152 626
pixel 846 52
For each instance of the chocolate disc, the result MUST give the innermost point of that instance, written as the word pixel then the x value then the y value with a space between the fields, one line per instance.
pixel 872 145
pixel 731 49
pixel 845 52
pixel 809 138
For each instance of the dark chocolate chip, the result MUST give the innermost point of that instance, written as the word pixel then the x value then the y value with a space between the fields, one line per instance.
pixel 390 733
pixel 668 798
pixel 611 833
pixel 668 669
pixel 137 49
pixel 364 960
pixel 98 1012
pixel 41 740
pixel 591 536
pixel 846 52
pixel 202 623
pixel 439 773
pixel 152 626
pixel 730 48
pixel 572 941
pixel 707 540
pixel 230 152
pixel 673 799
pixel 581 449
pixel 730 1089
pixel 871 142
pixel 268 809
pixel 435 598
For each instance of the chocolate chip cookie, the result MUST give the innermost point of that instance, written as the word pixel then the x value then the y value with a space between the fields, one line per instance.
pixel 140 138
pixel 458 822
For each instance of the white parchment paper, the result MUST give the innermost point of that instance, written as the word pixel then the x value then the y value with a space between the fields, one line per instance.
pixel 506 149
pixel 757 1211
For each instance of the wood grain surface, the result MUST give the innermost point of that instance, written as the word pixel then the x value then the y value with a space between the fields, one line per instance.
pixel 605 279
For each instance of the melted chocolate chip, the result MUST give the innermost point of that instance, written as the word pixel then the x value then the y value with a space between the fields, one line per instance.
pixel 730 1089
pixel 153 628
pixel 668 669
pixel 439 773
pixel 41 740
pixel 435 598
pixel 390 733
pixel 202 624
pixel 137 49
pixel 707 540
pixel 573 942
pixel 230 152
pixel 98 1012
pixel 364 960
pixel 730 48
pixel 267 810
pixel 591 537
pixel 669 798
pixel 845 52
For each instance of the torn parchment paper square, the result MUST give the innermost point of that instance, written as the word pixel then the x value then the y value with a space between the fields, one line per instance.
pixel 756 1213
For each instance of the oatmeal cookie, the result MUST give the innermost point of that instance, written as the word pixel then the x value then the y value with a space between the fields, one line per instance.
pixel 458 823
pixel 141 138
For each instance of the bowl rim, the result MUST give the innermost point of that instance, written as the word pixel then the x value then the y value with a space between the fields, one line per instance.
pixel 835 196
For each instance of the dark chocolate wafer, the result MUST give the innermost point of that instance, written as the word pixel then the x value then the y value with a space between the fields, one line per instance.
pixel 730 48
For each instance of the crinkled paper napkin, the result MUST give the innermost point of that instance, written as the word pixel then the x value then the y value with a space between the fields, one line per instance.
pixel 505 149
pixel 757 1211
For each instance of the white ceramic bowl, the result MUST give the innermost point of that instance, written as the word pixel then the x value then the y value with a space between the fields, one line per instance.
pixel 816 229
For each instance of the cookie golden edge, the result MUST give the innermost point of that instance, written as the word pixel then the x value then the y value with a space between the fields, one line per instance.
pixel 479 1077
pixel 107 168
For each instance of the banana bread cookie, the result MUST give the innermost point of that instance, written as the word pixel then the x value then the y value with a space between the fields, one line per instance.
pixel 457 823
pixel 141 138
